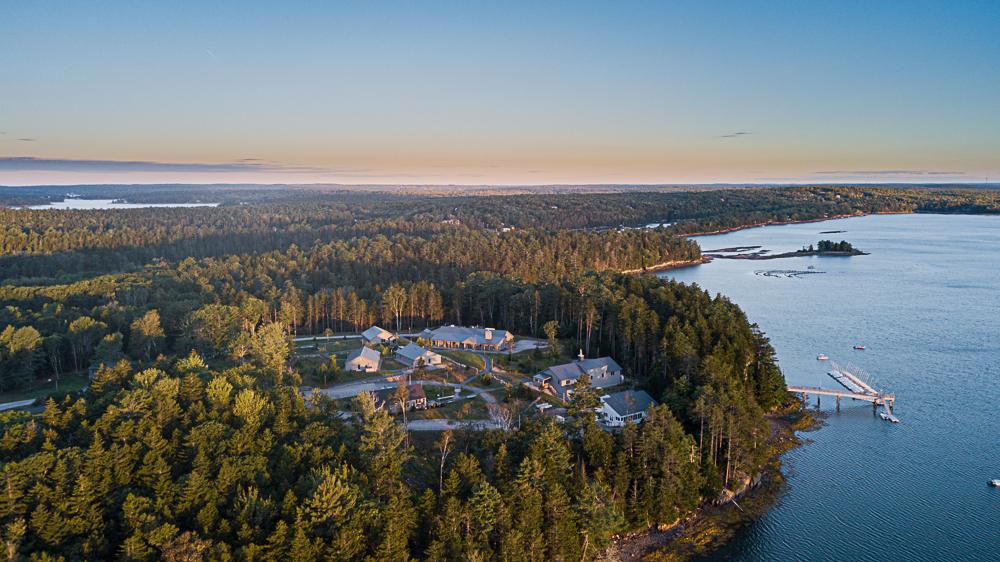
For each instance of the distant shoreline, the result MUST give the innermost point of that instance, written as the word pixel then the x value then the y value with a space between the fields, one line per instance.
pixel 796 254
pixel 667 265
pixel 802 221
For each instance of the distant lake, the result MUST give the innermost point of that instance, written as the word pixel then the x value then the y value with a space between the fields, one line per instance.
pixel 111 204
pixel 926 303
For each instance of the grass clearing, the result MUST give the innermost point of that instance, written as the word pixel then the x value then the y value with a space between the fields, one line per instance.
pixel 530 362
pixel 466 358
pixel 43 388
pixel 392 365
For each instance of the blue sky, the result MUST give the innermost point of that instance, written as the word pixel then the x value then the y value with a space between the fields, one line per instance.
pixel 513 93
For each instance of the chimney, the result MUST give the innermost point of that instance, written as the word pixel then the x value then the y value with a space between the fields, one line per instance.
pixel 488 334
pixel 581 356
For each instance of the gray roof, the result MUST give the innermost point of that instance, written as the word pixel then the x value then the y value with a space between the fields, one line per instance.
pixel 415 391
pixel 462 334
pixel 366 353
pixel 376 332
pixel 629 401
pixel 574 370
pixel 411 351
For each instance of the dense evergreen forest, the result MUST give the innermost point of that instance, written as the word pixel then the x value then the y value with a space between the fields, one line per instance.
pixel 193 440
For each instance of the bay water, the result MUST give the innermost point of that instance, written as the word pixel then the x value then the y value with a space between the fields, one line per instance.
pixel 926 305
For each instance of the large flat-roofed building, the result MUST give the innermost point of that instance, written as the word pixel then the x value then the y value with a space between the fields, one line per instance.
pixel 461 337
pixel 559 379
pixel 364 360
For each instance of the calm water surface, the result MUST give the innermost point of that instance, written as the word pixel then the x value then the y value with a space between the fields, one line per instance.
pixel 926 303
pixel 75 203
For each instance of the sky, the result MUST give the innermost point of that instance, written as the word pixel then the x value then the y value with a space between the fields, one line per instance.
pixel 481 93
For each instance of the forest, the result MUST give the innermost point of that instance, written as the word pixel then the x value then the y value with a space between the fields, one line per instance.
pixel 194 441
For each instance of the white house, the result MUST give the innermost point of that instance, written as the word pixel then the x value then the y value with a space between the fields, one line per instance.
pixel 364 360
pixel 622 407
pixel 376 335
pixel 415 356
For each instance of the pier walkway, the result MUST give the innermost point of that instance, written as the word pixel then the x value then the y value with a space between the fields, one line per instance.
pixel 858 387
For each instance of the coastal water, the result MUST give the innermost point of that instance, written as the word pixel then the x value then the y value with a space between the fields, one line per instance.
pixel 76 203
pixel 926 304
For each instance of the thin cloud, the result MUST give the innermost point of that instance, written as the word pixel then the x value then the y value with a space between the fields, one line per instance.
pixel 889 173
pixel 736 134
pixel 32 164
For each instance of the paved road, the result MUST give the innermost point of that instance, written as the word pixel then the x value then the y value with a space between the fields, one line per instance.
pixel 346 390
pixel 441 425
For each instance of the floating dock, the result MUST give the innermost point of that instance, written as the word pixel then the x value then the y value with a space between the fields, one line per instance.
pixel 859 387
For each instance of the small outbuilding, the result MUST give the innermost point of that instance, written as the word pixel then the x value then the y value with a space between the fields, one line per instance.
pixel 413 355
pixel 364 360
pixel 376 336
pixel 416 398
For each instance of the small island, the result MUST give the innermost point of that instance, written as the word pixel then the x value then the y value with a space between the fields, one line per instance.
pixel 824 248
pixel 831 248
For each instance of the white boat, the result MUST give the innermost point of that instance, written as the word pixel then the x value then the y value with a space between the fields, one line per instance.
pixel 860 347
pixel 995 482
pixel 822 357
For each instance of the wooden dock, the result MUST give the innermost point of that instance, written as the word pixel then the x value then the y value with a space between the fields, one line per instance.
pixel 856 389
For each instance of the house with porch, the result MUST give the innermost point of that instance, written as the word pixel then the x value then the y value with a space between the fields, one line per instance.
pixel 461 337
pixel 604 372
pixel 624 407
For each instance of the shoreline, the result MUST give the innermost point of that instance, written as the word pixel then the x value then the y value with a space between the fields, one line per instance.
pixel 784 223
pixel 713 524
pixel 796 254
pixel 667 265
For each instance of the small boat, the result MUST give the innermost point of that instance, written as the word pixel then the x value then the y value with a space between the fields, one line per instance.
pixel 860 347
pixel 888 417
pixel 995 482
pixel 822 357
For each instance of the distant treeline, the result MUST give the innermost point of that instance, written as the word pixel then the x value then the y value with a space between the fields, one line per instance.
pixel 93 241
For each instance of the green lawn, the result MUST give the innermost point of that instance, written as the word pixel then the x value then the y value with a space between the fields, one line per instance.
pixel 466 358
pixel 529 362
pixel 471 409
pixel 43 389
pixel 340 347
pixel 481 382
pixel 391 365
pixel 434 392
